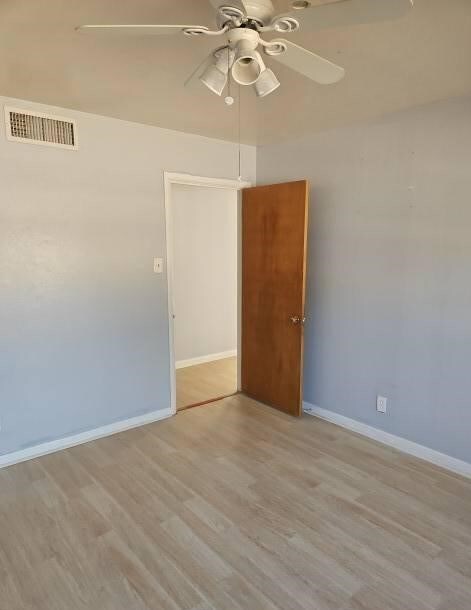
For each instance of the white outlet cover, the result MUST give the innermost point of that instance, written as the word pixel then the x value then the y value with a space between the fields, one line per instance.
pixel 381 404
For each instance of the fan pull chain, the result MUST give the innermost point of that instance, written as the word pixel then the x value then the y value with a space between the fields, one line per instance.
pixel 239 121
pixel 229 99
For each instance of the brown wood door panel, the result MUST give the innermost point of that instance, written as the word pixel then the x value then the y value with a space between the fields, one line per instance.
pixel 274 235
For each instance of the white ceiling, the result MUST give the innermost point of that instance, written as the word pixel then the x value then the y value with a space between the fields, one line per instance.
pixel 390 66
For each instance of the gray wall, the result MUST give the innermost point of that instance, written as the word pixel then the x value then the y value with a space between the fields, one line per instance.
pixel 389 279
pixel 83 318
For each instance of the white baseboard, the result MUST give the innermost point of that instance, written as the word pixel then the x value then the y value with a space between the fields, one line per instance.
pixel 402 444
pixel 181 364
pixel 84 437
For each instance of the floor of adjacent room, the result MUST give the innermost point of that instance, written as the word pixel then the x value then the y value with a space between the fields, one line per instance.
pixel 206 382
pixel 234 506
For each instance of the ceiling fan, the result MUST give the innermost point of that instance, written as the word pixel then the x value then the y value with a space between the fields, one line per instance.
pixel 242 23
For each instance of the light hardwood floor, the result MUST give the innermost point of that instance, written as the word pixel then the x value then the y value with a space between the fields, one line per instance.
pixel 234 506
pixel 202 382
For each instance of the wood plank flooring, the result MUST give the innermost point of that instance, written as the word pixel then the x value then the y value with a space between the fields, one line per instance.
pixel 202 382
pixel 234 506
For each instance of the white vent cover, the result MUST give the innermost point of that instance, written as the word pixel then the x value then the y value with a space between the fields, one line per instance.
pixel 37 128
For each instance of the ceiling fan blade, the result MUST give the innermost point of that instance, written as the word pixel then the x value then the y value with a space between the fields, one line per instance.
pixel 305 62
pixel 136 30
pixel 348 12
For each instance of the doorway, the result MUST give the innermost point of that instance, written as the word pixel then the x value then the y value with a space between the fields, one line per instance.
pixel 203 253
pixel 271 238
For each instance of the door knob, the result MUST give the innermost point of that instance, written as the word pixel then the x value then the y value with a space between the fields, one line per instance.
pixel 297 320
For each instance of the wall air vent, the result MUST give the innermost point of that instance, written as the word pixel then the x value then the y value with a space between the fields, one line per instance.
pixel 37 128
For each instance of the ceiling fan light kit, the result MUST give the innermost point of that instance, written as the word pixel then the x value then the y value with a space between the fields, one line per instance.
pixel 247 68
pixel 242 23
pixel 215 75
pixel 266 83
pixel 214 79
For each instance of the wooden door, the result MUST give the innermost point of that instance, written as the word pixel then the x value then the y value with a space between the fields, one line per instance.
pixel 274 235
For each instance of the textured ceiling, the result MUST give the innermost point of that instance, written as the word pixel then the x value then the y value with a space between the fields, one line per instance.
pixel 390 66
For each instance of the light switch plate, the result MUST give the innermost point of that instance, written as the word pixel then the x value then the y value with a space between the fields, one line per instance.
pixel 158 265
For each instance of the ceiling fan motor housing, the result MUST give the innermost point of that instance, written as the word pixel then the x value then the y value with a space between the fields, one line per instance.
pixel 243 39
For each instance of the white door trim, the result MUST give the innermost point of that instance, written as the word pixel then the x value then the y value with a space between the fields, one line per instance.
pixel 171 178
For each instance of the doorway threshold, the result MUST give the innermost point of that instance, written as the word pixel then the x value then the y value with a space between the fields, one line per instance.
pixel 206 402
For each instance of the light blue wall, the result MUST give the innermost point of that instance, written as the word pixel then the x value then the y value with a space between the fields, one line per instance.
pixel 83 318
pixel 389 278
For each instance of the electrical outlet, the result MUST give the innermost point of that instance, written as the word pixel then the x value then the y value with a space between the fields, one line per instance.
pixel 381 404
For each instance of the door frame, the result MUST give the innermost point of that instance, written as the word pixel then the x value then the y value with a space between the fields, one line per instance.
pixel 171 179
